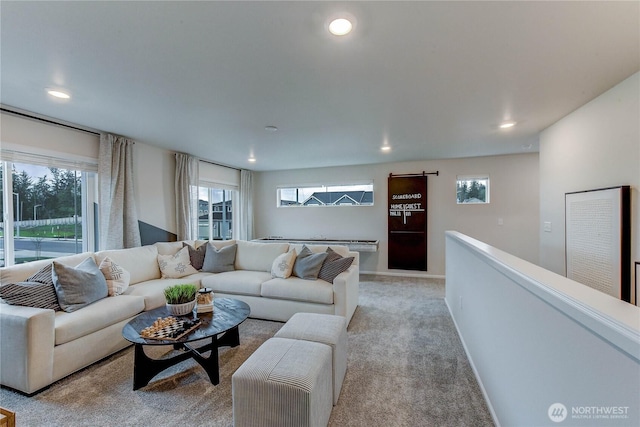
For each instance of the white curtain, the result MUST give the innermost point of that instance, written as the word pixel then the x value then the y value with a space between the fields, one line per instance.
pixel 118 213
pixel 245 210
pixel 186 186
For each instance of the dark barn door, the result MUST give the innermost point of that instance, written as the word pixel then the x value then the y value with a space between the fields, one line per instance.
pixel 407 225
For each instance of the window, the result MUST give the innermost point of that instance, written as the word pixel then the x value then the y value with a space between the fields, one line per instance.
pixel 215 213
pixel 45 211
pixel 472 189
pixel 331 195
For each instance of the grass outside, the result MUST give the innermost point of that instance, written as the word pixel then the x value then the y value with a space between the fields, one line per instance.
pixel 66 231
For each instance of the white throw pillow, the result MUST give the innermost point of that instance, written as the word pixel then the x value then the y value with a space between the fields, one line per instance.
pixel 117 277
pixel 283 265
pixel 176 265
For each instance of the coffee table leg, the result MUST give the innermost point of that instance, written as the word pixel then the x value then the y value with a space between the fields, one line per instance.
pixel 210 364
pixel 231 338
pixel 145 368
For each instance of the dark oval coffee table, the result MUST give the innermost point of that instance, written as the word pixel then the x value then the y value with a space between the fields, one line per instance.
pixel 221 326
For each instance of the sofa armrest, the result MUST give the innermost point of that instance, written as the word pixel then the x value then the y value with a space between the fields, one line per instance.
pixel 346 288
pixel 27 338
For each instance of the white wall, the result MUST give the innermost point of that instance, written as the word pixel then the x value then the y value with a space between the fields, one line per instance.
pixel 596 146
pixel 535 338
pixel 514 198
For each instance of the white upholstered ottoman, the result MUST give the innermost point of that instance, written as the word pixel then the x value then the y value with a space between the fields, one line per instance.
pixel 323 328
pixel 284 383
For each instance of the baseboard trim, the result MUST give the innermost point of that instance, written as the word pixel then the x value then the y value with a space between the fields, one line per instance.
pixel 394 274
pixel 473 367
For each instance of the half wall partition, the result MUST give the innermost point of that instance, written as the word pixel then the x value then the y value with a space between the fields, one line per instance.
pixel 545 349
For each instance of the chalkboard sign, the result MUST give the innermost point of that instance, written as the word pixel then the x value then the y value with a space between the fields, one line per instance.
pixel 407 223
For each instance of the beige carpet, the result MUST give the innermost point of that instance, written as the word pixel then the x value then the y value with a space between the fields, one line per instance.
pixel 406 367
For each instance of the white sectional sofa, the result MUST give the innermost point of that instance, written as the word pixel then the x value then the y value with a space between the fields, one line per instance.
pixel 40 346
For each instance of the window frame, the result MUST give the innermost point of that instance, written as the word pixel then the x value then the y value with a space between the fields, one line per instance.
pixel 327 187
pixel 232 209
pixel 477 178
pixel 88 197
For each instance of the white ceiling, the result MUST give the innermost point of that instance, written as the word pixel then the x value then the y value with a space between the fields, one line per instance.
pixel 431 79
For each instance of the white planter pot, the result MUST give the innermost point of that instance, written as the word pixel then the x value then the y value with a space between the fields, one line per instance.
pixel 181 309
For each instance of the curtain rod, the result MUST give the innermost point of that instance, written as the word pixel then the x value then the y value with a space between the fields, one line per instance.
pixel 219 164
pixel 436 173
pixel 41 119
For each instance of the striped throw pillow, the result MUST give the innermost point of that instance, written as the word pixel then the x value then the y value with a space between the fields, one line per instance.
pixel 30 294
pixel 43 276
pixel 333 265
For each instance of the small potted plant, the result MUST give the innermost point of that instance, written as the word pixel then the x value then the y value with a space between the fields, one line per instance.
pixel 181 299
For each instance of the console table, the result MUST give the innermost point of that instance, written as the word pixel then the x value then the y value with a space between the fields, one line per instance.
pixel 353 244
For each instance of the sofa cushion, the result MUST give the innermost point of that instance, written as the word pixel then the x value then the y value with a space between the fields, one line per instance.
pixel 78 286
pixel 103 313
pixel 308 264
pixel 117 277
pixel 297 289
pixel 219 260
pixel 170 248
pixel 257 256
pixel 30 294
pixel 283 265
pixel 21 272
pixel 176 265
pixel 196 254
pixel 239 282
pixel 140 262
pixel 153 290
pixel 333 265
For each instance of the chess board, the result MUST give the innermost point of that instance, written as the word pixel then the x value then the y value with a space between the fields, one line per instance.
pixel 169 328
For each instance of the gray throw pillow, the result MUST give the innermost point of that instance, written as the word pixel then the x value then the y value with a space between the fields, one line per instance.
pixel 219 261
pixel 30 294
pixel 308 264
pixel 78 286
pixel 334 265
pixel 196 255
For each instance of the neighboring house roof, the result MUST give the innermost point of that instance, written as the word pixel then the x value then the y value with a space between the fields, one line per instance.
pixel 340 197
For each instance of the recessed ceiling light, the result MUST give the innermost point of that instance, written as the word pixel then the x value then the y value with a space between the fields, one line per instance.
pixel 271 128
pixel 340 27
pixel 386 148
pixel 507 125
pixel 252 159
pixel 58 94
